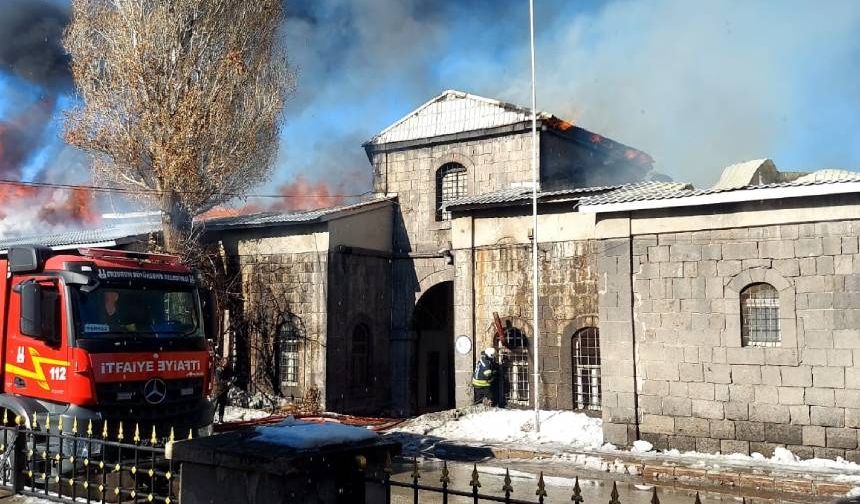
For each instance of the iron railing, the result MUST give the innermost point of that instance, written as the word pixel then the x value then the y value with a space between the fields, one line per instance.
pixel 474 493
pixel 42 457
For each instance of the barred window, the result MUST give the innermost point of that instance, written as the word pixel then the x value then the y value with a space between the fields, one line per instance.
pixel 760 315
pixel 360 363
pixel 288 356
pixel 450 186
pixel 516 366
pixel 585 346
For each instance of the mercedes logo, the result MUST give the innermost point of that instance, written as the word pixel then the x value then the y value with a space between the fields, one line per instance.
pixel 155 391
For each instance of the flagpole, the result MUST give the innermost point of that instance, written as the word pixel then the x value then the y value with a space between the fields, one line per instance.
pixel 535 188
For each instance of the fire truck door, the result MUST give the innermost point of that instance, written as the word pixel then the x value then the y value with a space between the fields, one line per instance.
pixel 37 350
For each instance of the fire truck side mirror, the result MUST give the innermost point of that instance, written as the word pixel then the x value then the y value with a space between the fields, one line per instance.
pixel 39 312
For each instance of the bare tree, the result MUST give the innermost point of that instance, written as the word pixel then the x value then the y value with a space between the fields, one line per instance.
pixel 181 100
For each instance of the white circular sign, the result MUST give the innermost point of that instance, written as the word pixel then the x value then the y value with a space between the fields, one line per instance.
pixel 463 344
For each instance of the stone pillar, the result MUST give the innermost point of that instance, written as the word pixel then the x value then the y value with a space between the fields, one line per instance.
pixel 464 305
pixel 618 381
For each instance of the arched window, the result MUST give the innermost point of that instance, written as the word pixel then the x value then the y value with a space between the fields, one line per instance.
pixel 360 357
pixel 516 365
pixel 450 186
pixel 288 355
pixel 585 347
pixel 760 315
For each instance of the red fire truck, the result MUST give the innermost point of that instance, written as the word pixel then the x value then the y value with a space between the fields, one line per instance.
pixel 99 335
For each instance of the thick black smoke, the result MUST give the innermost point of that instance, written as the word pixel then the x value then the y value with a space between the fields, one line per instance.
pixel 31 37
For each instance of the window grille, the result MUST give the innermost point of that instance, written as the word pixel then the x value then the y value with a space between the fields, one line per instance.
pixel 450 186
pixel 516 365
pixel 760 316
pixel 586 369
pixel 288 359
pixel 360 356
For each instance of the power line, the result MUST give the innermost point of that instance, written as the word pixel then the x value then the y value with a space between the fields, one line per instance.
pixel 121 190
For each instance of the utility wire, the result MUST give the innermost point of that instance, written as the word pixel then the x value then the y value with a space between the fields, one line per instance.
pixel 121 190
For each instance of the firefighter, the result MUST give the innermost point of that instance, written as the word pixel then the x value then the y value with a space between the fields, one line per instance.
pixel 225 380
pixel 484 377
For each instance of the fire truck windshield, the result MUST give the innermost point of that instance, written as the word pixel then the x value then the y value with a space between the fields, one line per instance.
pixel 163 311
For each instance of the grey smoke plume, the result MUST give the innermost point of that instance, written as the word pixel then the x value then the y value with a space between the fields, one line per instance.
pixel 31 34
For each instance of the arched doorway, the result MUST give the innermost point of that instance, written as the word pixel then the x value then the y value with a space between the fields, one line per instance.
pixel 433 323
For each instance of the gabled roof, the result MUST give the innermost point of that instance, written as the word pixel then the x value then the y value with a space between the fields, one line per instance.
pixel 454 112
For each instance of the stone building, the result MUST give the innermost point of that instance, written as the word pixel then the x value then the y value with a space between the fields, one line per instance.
pixel 724 319
pixel 458 145
pixel 718 319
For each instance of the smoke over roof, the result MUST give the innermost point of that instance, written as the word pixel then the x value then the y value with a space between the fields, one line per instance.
pixel 31 48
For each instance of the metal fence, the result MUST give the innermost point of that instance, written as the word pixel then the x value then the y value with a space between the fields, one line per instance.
pixel 72 463
pixel 443 490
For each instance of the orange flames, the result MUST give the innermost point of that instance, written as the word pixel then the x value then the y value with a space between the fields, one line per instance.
pixel 301 194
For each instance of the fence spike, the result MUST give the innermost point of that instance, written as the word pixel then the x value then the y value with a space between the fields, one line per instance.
pixel 90 428
pixel 5 416
pixel 416 475
pixel 698 499
pixel 35 422
pixel 541 489
pixel 136 437
pixel 613 497
pixel 507 487
pixel 190 433
pixel 74 425
pixel 18 420
pixel 120 434
pixel 387 468
pixel 577 492
pixel 105 429
pixel 153 439
pixel 446 478
pixel 475 483
pixel 171 438
pixel 656 500
pixel 47 422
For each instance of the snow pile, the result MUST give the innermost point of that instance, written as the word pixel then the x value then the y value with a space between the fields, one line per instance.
pixel 642 446
pixel 510 426
pixel 781 457
pixel 236 414
pixel 306 435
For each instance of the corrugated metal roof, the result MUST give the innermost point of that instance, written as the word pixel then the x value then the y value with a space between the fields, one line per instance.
pixel 104 237
pixel 829 176
pixel 638 191
pixel 125 233
pixel 454 112
pixel 280 218
pixel 650 191
pixel 524 194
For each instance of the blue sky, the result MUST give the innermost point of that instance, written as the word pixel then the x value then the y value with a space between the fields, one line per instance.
pixel 698 85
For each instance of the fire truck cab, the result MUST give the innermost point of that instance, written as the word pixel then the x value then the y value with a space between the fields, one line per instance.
pixel 103 335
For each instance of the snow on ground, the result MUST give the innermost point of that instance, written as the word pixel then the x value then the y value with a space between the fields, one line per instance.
pixel 236 414
pixel 573 430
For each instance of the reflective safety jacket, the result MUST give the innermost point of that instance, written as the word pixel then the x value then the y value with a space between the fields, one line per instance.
pixel 485 372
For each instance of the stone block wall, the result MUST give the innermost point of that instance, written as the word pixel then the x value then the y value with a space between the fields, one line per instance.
pixel 288 284
pixel 492 163
pixel 568 300
pixel 700 389
pixel 359 292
